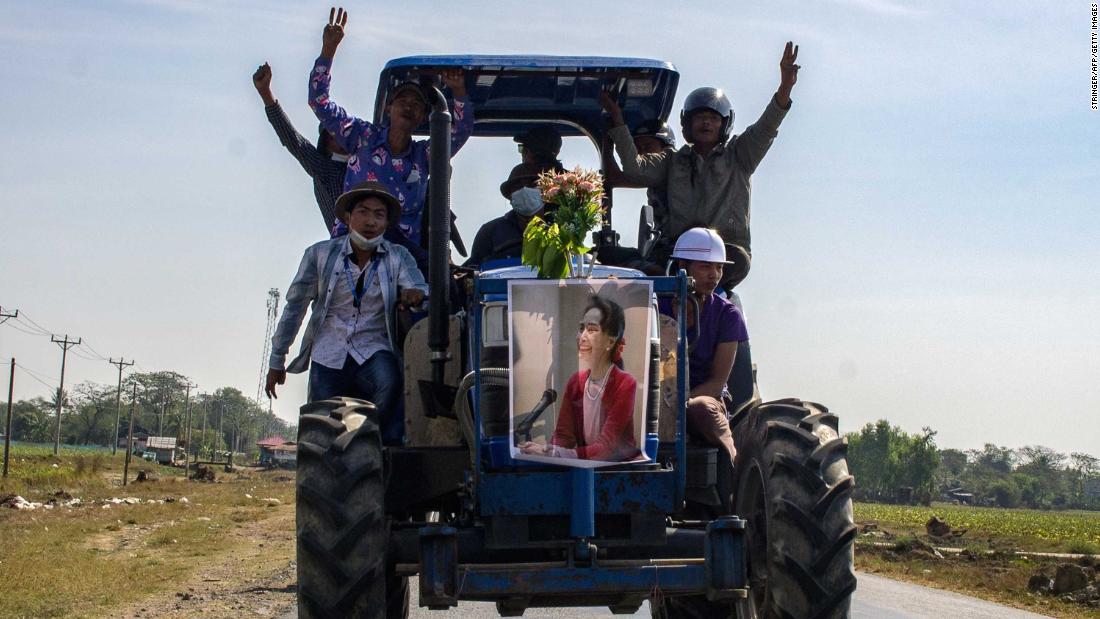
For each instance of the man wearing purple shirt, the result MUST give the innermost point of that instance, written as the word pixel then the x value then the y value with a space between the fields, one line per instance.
pixel 387 154
pixel 720 327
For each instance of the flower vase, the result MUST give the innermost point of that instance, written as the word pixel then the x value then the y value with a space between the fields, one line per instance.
pixel 577 266
pixel 571 263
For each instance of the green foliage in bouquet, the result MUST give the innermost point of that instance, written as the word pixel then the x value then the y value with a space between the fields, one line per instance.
pixel 549 247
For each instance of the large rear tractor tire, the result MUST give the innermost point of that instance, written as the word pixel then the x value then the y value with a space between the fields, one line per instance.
pixel 341 518
pixel 792 486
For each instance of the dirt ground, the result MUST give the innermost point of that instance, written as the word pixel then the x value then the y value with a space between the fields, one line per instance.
pixel 254 576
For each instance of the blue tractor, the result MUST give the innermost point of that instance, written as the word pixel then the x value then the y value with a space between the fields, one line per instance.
pixel 456 509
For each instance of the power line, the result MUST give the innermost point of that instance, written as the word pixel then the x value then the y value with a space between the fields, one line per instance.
pixel 32 326
pixel 16 326
pixel 39 376
pixel 35 378
pixel 40 327
pixel 42 375
pixel 95 352
pixel 86 357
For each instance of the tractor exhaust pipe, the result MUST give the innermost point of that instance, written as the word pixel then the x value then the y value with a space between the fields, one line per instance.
pixel 439 238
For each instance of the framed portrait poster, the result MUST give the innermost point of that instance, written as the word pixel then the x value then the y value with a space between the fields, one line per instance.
pixel 579 358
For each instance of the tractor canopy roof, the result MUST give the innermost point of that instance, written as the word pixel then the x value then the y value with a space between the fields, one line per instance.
pixel 511 94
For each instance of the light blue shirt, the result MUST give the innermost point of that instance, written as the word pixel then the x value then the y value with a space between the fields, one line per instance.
pixel 358 332
pixel 319 273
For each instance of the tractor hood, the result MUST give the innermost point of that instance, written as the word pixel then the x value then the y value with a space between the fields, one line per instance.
pixel 511 94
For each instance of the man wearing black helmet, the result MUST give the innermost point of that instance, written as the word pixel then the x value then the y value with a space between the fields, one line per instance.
pixel 708 180
pixel 653 136
pixel 650 138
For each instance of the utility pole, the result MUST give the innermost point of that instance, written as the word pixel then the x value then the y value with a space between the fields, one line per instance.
pixel 7 430
pixel 187 445
pixel 163 411
pixel 65 345
pixel 129 439
pixel 221 418
pixel 205 414
pixel 5 315
pixel 118 400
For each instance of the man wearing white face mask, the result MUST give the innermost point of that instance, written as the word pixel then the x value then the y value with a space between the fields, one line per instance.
pixel 353 284
pixel 502 237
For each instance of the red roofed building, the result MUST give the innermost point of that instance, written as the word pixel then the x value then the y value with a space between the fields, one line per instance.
pixel 275 450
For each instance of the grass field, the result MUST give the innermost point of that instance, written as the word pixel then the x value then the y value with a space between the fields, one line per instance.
pixel 894 549
pixel 1026 529
pixel 86 559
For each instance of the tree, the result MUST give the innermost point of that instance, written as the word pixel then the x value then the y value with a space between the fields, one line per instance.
pixel 916 460
pixel 92 415
pixel 31 421
pixel 1004 493
pixel 160 395
pixel 952 466
pixel 1083 469
pixel 884 459
pixel 992 458
pixel 1046 484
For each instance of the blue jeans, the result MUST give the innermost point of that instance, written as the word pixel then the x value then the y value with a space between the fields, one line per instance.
pixel 377 380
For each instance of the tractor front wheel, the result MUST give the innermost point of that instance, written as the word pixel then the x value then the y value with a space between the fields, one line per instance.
pixel 342 527
pixel 792 486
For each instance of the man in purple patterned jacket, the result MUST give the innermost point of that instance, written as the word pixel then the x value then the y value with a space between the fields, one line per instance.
pixel 387 154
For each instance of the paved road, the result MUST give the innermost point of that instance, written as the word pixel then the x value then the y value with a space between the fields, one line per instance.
pixel 875 598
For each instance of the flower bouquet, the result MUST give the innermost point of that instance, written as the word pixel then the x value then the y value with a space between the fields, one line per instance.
pixel 556 250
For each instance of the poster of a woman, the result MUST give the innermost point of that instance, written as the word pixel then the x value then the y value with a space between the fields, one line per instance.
pixel 597 340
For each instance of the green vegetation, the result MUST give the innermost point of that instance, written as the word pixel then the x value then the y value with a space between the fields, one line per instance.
pixel 162 408
pixel 894 466
pixel 1026 529
pixel 886 459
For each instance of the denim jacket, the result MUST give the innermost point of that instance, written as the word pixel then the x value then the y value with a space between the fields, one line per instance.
pixel 312 287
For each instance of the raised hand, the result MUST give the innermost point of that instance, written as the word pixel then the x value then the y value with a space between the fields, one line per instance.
pixel 334 31
pixel 274 377
pixel 788 74
pixel 612 108
pixel 261 79
pixel 455 79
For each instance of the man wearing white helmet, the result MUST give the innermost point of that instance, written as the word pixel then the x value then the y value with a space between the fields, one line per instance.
pixel 715 338
pixel 707 181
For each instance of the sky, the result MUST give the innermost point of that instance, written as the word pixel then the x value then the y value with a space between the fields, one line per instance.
pixel 924 227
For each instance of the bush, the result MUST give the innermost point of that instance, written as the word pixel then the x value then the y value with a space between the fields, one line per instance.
pixel 1004 493
pixel 905 543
